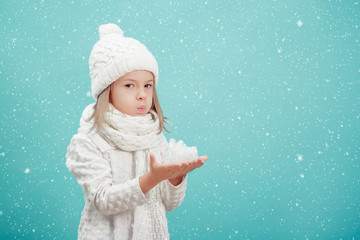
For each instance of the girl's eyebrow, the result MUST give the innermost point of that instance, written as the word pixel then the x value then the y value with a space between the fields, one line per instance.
pixel 134 80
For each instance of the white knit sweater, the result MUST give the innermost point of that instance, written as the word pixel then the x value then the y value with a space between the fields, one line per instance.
pixel 112 192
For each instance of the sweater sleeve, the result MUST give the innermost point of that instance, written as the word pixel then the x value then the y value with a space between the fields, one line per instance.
pixel 171 195
pixel 93 172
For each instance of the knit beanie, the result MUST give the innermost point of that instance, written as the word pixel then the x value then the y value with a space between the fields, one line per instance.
pixel 114 56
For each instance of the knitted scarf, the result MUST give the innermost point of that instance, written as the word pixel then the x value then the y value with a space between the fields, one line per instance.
pixel 137 134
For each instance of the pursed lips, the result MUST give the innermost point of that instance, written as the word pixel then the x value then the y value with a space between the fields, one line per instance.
pixel 141 108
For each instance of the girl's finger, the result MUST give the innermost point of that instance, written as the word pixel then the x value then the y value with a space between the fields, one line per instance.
pixel 203 158
pixel 195 164
pixel 181 169
pixel 189 168
pixel 152 159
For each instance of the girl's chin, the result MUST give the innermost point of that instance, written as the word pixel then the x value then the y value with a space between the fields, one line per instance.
pixel 135 113
pixel 138 114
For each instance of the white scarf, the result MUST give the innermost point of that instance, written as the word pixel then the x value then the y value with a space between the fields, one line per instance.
pixel 128 133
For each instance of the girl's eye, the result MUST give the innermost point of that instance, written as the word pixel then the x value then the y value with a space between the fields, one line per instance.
pixel 130 85
pixel 148 85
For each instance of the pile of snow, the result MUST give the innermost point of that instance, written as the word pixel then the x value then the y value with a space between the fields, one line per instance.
pixel 179 152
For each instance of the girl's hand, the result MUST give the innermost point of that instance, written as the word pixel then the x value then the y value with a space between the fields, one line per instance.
pixel 162 171
pixel 194 164
pixel 174 171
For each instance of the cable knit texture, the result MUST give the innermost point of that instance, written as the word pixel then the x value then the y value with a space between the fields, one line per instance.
pixel 115 55
pixel 115 207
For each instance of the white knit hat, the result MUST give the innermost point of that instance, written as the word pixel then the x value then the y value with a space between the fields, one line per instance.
pixel 114 56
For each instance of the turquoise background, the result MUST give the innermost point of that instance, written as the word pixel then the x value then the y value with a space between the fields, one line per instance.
pixel 269 90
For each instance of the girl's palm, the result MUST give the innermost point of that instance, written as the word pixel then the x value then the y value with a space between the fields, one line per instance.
pixel 173 170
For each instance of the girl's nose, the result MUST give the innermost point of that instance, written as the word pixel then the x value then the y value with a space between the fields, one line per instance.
pixel 141 94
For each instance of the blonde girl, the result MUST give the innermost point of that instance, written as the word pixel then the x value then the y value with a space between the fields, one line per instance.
pixel 117 154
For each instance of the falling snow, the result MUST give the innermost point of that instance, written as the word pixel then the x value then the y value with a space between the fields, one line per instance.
pixel 299 23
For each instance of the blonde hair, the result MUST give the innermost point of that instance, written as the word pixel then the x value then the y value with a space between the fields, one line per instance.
pixel 101 107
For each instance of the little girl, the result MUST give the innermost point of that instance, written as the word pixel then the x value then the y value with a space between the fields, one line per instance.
pixel 117 154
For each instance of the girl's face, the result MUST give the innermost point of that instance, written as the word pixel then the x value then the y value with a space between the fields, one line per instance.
pixel 132 94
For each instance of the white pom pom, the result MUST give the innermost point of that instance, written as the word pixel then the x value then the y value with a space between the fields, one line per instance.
pixel 108 29
pixel 179 152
